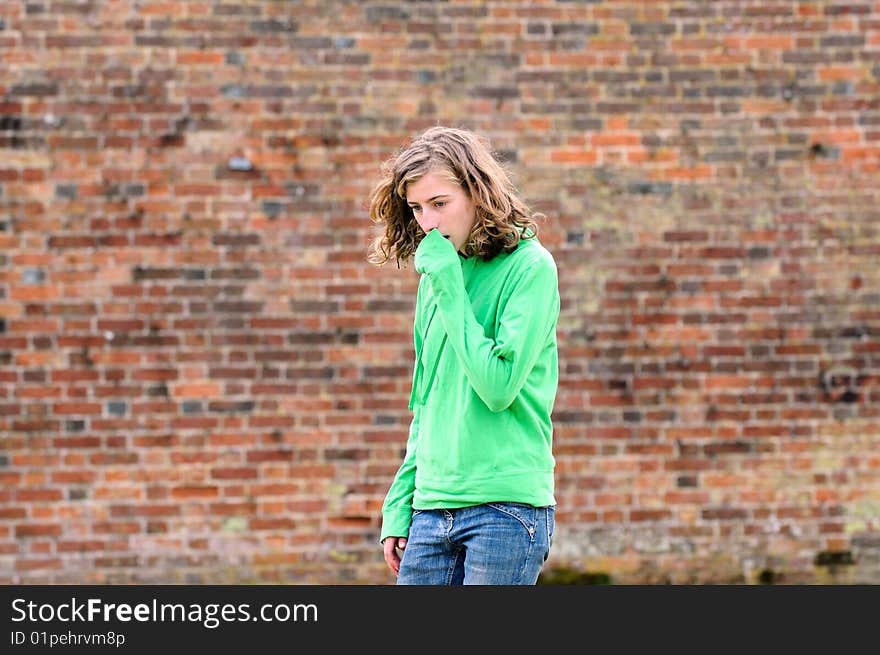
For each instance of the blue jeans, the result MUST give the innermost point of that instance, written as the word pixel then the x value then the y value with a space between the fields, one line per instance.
pixel 490 544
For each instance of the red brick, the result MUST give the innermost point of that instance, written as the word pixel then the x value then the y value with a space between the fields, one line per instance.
pixel 190 492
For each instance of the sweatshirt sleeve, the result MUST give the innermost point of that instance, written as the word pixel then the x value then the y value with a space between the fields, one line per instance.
pixel 498 368
pixel 397 508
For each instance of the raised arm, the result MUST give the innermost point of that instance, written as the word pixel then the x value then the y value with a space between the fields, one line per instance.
pixel 496 368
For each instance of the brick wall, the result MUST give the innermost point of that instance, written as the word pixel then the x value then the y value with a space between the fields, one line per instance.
pixel 202 380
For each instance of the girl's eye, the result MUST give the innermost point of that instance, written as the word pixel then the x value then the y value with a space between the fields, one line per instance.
pixel 439 203
pixel 416 210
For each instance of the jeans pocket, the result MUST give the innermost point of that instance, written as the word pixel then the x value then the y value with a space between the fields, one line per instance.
pixel 525 514
pixel 551 525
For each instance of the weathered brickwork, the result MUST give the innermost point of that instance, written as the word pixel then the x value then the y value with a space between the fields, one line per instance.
pixel 203 380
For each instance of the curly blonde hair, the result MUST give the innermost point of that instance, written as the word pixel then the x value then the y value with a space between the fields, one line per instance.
pixel 502 218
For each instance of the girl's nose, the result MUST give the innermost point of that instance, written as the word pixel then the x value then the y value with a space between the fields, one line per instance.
pixel 428 222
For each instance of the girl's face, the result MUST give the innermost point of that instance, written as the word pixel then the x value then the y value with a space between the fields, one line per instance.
pixel 438 202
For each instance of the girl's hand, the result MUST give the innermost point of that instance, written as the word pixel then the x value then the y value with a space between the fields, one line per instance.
pixel 391 545
pixel 435 253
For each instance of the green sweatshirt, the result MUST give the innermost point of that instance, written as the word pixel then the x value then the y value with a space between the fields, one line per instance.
pixel 485 379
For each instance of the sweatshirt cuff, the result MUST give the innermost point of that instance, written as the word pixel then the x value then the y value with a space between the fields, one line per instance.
pixel 435 253
pixel 395 523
